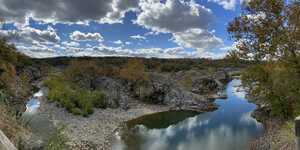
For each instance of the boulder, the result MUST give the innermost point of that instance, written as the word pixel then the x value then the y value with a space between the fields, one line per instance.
pixel 204 85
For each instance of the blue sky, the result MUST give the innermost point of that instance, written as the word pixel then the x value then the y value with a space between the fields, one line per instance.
pixel 143 28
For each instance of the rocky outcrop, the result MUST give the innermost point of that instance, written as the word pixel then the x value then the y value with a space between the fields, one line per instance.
pixel 116 91
pixel 166 89
pixel 5 143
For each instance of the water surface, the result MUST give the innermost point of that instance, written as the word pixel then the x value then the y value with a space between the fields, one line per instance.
pixel 38 123
pixel 231 127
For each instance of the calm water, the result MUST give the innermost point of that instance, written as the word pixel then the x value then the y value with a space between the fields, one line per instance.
pixel 38 123
pixel 229 128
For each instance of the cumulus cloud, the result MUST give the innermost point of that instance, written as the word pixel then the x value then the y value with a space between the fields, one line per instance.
pixel 31 35
pixel 79 36
pixel 119 9
pixel 187 21
pixel 138 37
pixel 68 11
pixel 197 38
pixel 173 15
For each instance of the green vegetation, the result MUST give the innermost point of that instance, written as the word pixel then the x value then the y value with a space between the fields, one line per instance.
pixel 58 141
pixel 268 33
pixel 77 100
pixel 75 88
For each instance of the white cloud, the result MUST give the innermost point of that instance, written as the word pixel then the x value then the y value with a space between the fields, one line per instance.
pixel 79 36
pixel 173 15
pixel 138 37
pixel 118 42
pixel 127 43
pixel 187 21
pixel 71 44
pixel 119 9
pixel 31 35
pixel 66 11
pixel 229 4
pixel 198 39
pixel 175 52
pixel 151 33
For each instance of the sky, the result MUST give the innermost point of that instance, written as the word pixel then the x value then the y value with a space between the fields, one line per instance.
pixel 131 28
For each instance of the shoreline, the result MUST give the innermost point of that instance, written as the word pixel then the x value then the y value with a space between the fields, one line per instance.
pixel 278 134
pixel 97 130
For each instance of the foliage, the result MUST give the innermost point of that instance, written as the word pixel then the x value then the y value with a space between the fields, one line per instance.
pixel 75 99
pixel 268 32
pixel 277 85
pixel 58 141
pixel 134 72
pixel 86 71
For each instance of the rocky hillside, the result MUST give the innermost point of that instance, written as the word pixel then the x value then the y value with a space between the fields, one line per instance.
pixel 134 79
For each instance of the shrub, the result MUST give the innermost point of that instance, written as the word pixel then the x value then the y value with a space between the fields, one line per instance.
pixel 98 99
pixel 76 100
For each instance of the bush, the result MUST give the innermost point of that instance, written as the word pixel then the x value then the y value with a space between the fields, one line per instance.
pixel 98 99
pixel 76 100
pixel 276 84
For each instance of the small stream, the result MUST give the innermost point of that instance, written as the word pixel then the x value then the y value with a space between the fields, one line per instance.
pixel 230 127
pixel 39 123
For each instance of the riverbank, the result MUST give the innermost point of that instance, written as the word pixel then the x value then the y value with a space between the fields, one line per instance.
pixel 95 131
pixel 279 134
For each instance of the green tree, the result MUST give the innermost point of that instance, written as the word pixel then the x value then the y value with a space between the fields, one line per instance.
pixel 268 32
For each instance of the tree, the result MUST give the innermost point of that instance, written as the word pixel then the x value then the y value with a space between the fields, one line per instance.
pixel 84 72
pixel 268 32
pixel 134 71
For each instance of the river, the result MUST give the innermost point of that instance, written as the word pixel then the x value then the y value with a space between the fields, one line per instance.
pixel 230 127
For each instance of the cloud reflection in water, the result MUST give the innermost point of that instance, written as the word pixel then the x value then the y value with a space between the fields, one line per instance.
pixel 230 127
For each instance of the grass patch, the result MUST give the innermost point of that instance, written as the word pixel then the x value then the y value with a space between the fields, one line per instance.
pixel 58 141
